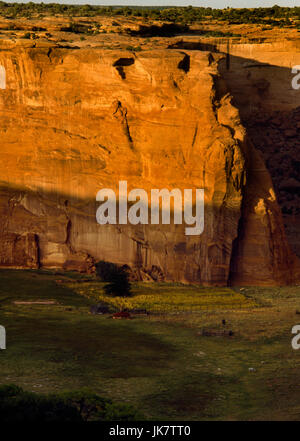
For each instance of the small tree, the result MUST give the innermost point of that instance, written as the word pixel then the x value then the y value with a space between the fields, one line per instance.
pixel 117 278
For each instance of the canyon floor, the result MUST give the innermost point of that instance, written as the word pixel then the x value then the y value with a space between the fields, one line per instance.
pixel 160 363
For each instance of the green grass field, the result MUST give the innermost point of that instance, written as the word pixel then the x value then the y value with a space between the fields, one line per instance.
pixel 160 363
pixel 166 297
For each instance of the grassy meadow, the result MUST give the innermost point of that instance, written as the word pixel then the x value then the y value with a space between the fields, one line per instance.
pixel 166 297
pixel 160 363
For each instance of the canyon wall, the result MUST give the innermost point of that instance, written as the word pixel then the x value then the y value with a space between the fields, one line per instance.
pixel 74 121
pixel 264 86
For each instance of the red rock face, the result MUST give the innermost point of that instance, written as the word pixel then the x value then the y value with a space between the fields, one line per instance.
pixel 75 121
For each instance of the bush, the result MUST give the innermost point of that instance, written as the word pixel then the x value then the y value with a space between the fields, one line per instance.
pixel 117 279
pixel 119 285
pixel 122 412
pixel 90 406
pixel 17 405
pixel 75 28
pixel 105 270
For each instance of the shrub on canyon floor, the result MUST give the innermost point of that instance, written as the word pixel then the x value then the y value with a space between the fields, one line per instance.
pixel 17 405
pixel 117 279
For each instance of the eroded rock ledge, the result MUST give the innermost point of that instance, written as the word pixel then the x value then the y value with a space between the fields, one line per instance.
pixel 74 121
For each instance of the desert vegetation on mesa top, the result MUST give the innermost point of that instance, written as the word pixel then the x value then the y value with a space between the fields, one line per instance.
pixel 88 24
pixel 273 15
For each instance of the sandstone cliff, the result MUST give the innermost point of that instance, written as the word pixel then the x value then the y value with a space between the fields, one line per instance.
pixel 75 121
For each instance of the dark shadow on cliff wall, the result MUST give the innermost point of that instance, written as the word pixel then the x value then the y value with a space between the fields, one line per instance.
pixel 274 132
pixel 78 242
pixel 65 230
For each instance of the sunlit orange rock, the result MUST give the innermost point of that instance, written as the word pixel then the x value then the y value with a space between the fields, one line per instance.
pixel 74 121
